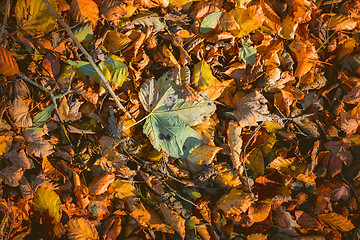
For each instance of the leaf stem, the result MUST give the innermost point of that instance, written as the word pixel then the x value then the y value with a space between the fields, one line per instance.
pixel 89 58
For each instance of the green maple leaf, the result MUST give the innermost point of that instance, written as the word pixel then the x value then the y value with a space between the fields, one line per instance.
pixel 168 126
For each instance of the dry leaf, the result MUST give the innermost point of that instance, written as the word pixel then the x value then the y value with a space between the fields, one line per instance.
pixel 8 65
pixel 81 229
pixel 235 202
pixel 174 219
pixel 336 221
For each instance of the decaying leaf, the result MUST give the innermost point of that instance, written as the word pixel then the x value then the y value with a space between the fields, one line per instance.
pixel 37 145
pixel 251 109
pixel 101 183
pixel 20 112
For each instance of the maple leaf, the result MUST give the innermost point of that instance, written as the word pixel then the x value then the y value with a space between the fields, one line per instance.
pixel 169 122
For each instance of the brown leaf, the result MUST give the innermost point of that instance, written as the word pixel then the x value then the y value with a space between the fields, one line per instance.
pixel 251 109
pixel 8 65
pixel 81 228
pixel 12 175
pixel 339 154
pixel 353 97
pixel 20 112
pixel 37 145
pixel 235 144
pixel 18 157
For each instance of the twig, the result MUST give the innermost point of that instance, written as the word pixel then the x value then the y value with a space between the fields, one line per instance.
pixel 5 19
pixel 244 153
pixel 89 58
pixel 53 99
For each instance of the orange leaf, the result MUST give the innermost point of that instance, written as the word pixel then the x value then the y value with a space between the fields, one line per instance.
pixel 85 9
pixel 336 221
pixel 8 65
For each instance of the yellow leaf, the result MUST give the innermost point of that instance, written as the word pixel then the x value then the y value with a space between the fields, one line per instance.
pixel 336 221
pixel 5 142
pixel 34 17
pixel 288 27
pixel 255 161
pixel 122 189
pixel 279 163
pixel 64 108
pixel 115 41
pixel 204 81
pixel 272 127
pixel 47 199
pixel 8 65
pixel 227 176
pixel 256 236
pixel 179 3
pixel 85 9
pixel 81 229
pixel 235 202
pixel 248 19
pixel 174 219
pixel 201 156
pixel 305 55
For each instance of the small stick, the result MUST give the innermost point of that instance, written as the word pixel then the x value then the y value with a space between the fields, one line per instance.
pixel 5 19
pixel 89 58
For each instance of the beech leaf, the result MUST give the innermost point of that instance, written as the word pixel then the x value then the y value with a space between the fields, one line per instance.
pixel 81 229
pixel 47 199
pixel 210 22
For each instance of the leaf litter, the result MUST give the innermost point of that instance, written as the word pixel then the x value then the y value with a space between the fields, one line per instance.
pixel 219 119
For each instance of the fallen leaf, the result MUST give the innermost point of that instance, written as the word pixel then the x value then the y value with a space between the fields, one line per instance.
pixel 81 229
pixel 170 119
pixel 235 202
pixel 201 156
pixel 37 145
pixel 46 199
pixel 251 109
pixel 204 80
pixel 8 65
pixel 174 219
pixel 34 17
pixel 6 142
pixel 20 112
pixel 336 221
pixel 85 10
pixel 100 184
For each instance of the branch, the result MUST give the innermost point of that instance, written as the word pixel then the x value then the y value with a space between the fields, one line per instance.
pixel 89 58
pixel 5 19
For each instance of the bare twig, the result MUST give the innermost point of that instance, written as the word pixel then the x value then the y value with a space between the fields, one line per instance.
pixel 5 19
pixel 89 58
